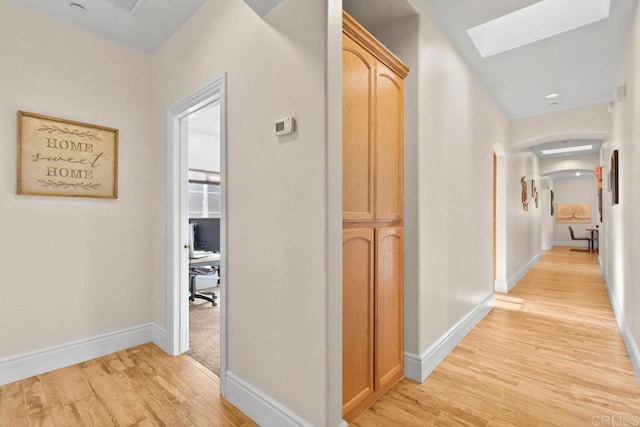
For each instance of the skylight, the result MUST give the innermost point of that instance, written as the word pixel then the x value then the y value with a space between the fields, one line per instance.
pixel 536 22
pixel 567 149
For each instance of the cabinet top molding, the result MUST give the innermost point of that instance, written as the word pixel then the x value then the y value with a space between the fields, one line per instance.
pixel 357 32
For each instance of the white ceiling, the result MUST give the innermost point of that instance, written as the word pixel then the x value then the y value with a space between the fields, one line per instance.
pixel 154 22
pixel 572 174
pixel 378 14
pixel 581 65
pixel 595 149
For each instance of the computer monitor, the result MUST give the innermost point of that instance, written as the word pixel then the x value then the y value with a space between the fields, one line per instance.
pixel 207 234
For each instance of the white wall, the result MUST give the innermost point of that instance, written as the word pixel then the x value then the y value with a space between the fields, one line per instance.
pixel 204 139
pixel 72 268
pixel 276 191
pixel 204 151
pixel 458 124
pixel 574 190
pixel 587 162
pixel 523 227
pixel 546 219
pixel 621 227
pixel 591 122
pixel 451 119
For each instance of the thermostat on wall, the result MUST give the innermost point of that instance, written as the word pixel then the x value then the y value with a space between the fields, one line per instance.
pixel 285 126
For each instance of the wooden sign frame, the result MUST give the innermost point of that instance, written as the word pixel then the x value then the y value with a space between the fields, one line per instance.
pixel 59 157
pixel 573 212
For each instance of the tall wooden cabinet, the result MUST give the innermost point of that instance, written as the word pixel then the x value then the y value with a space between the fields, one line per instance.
pixel 373 218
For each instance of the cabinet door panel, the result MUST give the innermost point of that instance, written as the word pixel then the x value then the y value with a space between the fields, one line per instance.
pixel 389 155
pixel 357 316
pixel 357 131
pixel 389 306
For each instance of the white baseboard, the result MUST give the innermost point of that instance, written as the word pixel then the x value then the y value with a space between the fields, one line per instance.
pixel 632 347
pixel 419 367
pixel 602 272
pixel 546 246
pixel 261 408
pixel 160 337
pixel 25 365
pixel 513 280
pixel 501 286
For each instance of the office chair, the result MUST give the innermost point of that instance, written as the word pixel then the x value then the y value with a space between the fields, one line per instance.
pixel 588 239
pixel 202 271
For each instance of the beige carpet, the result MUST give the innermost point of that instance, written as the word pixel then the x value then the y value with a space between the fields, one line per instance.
pixel 204 332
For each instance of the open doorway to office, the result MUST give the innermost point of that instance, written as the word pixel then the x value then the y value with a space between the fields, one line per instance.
pixel 196 219
pixel 203 207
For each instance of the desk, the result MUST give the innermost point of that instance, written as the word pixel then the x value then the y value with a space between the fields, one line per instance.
pixel 212 260
pixel 594 236
pixel 200 266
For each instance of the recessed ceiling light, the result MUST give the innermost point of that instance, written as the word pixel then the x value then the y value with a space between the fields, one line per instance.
pixel 77 7
pixel 567 149
pixel 536 22
pixel 577 173
pixel 552 96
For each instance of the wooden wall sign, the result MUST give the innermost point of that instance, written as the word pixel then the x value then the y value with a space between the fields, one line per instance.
pixel 573 212
pixel 58 157
pixel 525 198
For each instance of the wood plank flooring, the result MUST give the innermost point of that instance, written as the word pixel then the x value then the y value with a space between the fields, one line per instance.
pixel 549 353
pixel 141 386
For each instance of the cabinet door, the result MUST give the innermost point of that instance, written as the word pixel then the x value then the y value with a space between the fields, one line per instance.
pixel 389 346
pixel 357 131
pixel 389 148
pixel 357 316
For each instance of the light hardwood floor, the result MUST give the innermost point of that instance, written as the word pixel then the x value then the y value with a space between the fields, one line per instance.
pixel 550 353
pixel 141 386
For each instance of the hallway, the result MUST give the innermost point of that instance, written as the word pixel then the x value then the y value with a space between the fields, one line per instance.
pixel 549 353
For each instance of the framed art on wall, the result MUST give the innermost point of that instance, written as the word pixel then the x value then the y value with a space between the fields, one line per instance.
pixel 598 178
pixel 613 179
pixel 525 197
pixel 58 157
pixel 574 212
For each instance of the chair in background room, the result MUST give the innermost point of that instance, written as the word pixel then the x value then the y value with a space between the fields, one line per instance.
pixel 201 271
pixel 588 239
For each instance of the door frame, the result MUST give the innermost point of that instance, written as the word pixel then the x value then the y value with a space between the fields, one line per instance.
pixel 177 307
pixel 500 283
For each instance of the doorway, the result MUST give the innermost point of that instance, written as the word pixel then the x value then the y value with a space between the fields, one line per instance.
pixel 203 208
pixel 499 220
pixel 178 230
